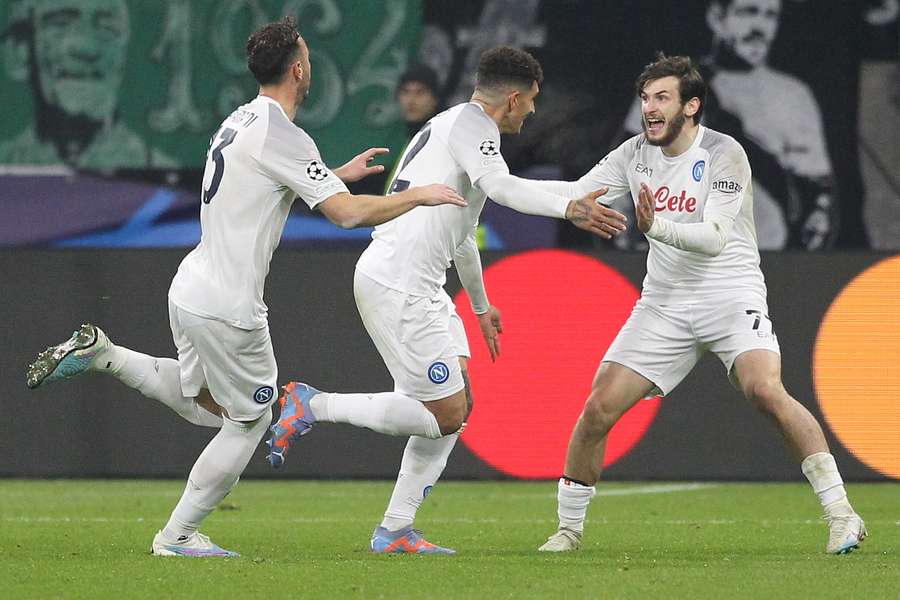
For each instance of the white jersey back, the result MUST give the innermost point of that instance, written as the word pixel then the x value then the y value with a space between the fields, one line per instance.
pixel 258 163
pixel 713 171
pixel 412 253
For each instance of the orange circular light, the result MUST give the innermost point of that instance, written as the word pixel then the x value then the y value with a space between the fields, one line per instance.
pixel 855 367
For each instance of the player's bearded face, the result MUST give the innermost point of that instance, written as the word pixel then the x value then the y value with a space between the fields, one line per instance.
pixel 662 111
pixel 665 133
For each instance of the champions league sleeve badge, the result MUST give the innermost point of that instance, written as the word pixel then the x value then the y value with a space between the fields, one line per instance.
pixel 489 148
pixel 315 171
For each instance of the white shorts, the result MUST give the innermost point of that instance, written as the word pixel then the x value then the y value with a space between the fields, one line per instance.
pixel 663 343
pixel 419 338
pixel 237 366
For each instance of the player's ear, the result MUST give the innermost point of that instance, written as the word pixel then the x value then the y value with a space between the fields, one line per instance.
pixel 691 107
pixel 512 100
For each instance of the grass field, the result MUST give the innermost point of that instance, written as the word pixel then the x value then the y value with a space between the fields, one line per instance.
pixel 90 539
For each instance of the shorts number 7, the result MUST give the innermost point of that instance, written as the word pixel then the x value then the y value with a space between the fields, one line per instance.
pixel 758 318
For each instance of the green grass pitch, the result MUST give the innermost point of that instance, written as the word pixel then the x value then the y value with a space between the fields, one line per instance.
pixel 300 539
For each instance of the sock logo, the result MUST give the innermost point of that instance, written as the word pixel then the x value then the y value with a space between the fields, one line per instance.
pixel 438 372
pixel 263 394
pixel 426 491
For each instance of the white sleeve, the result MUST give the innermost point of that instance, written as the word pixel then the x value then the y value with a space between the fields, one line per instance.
pixel 468 267
pixel 291 158
pixel 730 181
pixel 610 172
pixel 523 195
pixel 474 142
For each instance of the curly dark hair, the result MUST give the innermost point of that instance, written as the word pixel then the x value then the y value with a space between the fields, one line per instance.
pixel 271 49
pixel 503 65
pixel 690 82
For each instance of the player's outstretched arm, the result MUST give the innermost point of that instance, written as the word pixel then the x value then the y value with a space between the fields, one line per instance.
pixel 525 196
pixel 358 167
pixel 348 210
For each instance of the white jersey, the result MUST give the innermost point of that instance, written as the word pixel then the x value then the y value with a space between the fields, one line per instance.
pixel 713 172
pixel 258 163
pixel 412 253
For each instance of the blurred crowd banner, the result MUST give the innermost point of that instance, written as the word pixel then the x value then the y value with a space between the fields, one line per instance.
pixel 114 102
pixel 839 333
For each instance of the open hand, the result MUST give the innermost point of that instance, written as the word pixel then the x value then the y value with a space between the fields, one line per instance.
pixel 491 328
pixel 645 209
pixel 358 166
pixel 437 194
pixel 588 214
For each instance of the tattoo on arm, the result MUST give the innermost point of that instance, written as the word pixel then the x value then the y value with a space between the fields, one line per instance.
pixel 580 212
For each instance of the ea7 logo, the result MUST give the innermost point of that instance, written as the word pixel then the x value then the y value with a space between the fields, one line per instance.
pixel 643 169
pixel 726 185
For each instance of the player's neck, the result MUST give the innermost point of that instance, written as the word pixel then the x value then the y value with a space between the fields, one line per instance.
pixel 684 140
pixel 491 109
pixel 286 98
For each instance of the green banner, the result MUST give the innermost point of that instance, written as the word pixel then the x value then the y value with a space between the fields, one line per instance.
pixel 134 84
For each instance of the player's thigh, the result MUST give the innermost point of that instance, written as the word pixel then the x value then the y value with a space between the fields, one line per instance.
pixel 415 337
pixel 733 328
pixel 616 388
pixel 658 344
pixel 193 379
pixel 239 366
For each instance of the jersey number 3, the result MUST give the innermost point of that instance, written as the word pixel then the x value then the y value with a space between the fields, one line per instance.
pixel 226 136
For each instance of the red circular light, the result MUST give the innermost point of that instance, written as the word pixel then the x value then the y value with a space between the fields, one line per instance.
pixel 561 310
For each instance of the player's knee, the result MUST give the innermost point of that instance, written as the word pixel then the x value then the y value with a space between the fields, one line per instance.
pixel 598 414
pixel 767 395
pixel 449 412
pixel 451 421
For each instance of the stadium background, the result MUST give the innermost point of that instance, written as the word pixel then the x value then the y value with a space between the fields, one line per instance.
pixel 70 230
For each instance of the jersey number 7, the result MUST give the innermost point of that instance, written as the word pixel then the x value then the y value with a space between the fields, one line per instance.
pixel 398 184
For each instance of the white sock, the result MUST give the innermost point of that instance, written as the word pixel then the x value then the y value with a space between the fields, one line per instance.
pixel 156 378
pixel 388 412
pixel 822 473
pixel 423 462
pixel 214 474
pixel 573 499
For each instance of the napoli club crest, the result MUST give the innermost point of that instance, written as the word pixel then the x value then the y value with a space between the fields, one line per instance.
pixel 697 170
pixel 438 372
pixel 263 394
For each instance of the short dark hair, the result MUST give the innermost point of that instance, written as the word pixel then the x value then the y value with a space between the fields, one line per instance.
pixel 507 66
pixel 271 49
pixel 690 82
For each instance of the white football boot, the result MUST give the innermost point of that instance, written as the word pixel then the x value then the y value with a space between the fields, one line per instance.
pixel 195 545
pixel 564 540
pixel 845 533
